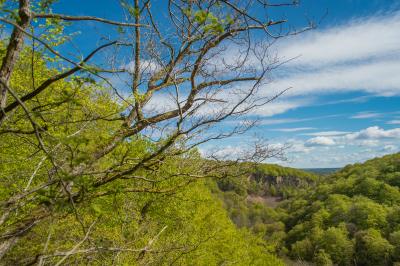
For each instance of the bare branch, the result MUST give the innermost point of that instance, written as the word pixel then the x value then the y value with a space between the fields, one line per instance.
pixel 73 250
pixel 87 18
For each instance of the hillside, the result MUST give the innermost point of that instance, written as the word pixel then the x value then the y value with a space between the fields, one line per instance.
pixel 251 197
pixel 321 171
pixel 351 218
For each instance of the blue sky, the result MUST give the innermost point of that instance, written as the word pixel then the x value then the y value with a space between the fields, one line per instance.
pixel 343 105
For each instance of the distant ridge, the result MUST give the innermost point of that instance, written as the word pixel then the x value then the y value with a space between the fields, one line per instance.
pixel 321 171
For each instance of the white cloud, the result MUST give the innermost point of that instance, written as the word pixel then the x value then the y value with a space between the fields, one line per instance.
pixel 369 143
pixel 340 150
pixel 336 150
pixel 299 147
pixel 365 38
pixel 146 66
pixel 327 133
pixel 379 78
pixel 293 129
pixel 228 152
pixel 360 99
pixel 341 59
pixel 361 55
pixel 280 121
pixel 394 122
pixel 294 120
pixel 160 102
pixel 320 141
pixel 369 137
pixel 364 115
pixel 374 132
pixel 278 107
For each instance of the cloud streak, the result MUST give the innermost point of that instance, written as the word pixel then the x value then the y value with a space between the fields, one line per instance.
pixel 394 122
pixel 366 38
pixel 327 133
pixel 378 78
pixel 360 56
pixel 365 115
pixel 294 129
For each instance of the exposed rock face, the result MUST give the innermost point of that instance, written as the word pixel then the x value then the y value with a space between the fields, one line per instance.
pixel 277 180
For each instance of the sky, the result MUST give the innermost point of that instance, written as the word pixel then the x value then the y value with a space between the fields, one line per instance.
pixel 344 103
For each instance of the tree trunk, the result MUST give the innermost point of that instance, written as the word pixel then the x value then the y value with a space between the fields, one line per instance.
pixel 13 50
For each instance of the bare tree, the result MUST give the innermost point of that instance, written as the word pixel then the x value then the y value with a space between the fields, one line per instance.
pixel 177 73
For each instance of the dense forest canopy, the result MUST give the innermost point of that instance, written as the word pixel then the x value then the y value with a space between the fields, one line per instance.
pixel 347 218
pixel 350 218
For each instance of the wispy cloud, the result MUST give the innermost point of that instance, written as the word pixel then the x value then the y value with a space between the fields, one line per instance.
pixel 294 129
pixel 342 59
pixel 337 59
pixel 279 107
pixel 350 42
pixel 394 122
pixel 364 115
pixel 273 121
pixel 327 133
pixel 378 78
pixel 360 99
pixel 370 133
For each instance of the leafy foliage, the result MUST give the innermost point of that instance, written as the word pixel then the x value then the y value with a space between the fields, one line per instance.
pixel 351 217
pixel 169 218
pixel 250 193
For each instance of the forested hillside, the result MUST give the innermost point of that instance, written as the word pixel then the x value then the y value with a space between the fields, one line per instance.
pixel 352 218
pixel 162 215
pixel 251 197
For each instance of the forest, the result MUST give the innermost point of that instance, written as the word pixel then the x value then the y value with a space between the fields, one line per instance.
pixel 97 168
pixel 350 217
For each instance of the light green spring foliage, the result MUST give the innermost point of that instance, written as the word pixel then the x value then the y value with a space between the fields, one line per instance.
pixel 261 182
pixel 186 226
pixel 352 217
pixel 349 218
pixel 197 232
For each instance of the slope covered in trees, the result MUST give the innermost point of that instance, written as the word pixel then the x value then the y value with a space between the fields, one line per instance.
pixel 252 194
pixel 352 218
pixel 160 216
